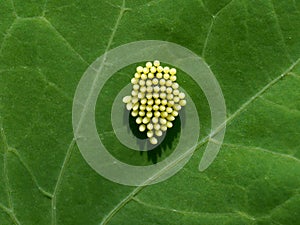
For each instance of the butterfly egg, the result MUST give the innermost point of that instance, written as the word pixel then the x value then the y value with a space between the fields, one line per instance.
pixel 148 82
pixel 157 101
pixel 173 71
pixel 155 120
pixel 157 114
pixel 164 102
pixel 139 69
pixel 177 107
pixel 169 110
pixel 169 124
pixel 149 108
pixel 129 106
pixel 150 89
pixel 170 118
pixel 163 121
pixel 155 95
pixel 153 140
pixel 136 87
pixel 176 92
pixel 137 75
pixel 142 83
pixel 142 107
pixel 134 100
pixel 166 69
pixel 149 114
pixel 170 96
pixel 146 120
pixel 170 103
pixel 144 76
pixel 141 95
pixel 156 126
pixel 158 133
pixel 156 63
pixel 153 69
pixel 164 114
pixel 169 90
pixel 173 78
pixel 175 86
pixel 150 101
pixel 163 95
pixel 156 88
pixel 139 120
pixel 149 64
pixel 134 80
pixel 176 99
pixel 155 107
pixel 148 95
pixel 162 108
pixel 127 99
pixel 166 76
pixel 135 113
pixel 163 88
pixel 160 69
pixel 150 134
pixel 150 126
pixel 169 83
pixel 182 102
pixel 163 127
pixel 174 113
pixel 181 95
pixel 142 113
pixel 162 82
pixel 143 89
pixel 159 75
pixel 145 70
pixel 134 93
pixel 155 81
pixel 150 75
pixel 143 101
pixel 142 127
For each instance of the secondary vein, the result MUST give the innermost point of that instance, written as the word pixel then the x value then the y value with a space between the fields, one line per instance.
pixel 71 146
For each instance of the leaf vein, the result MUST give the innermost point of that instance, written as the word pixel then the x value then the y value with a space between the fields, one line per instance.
pixel 279 29
pixel 11 214
pixel 69 151
pixel 207 37
pixel 7 35
pixel 64 40
pixel 6 178
pixel 255 148
pixel 214 18
pixel 44 8
pixel 59 180
pixel 14 8
pixel 26 166
pixel 283 107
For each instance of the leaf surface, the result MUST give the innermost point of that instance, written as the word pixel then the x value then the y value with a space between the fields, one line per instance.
pixel 253 49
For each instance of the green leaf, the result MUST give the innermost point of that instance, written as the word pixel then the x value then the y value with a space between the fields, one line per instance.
pixel 253 49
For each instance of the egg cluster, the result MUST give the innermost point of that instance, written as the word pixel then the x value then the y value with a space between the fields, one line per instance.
pixel 155 99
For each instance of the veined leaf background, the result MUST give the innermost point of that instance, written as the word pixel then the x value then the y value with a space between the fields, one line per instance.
pixel 251 46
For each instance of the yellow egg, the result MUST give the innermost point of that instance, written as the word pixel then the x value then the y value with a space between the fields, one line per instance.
pixel 149 64
pixel 173 71
pixel 153 140
pixel 139 69
pixel 156 63
pixel 142 128
pixel 169 124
